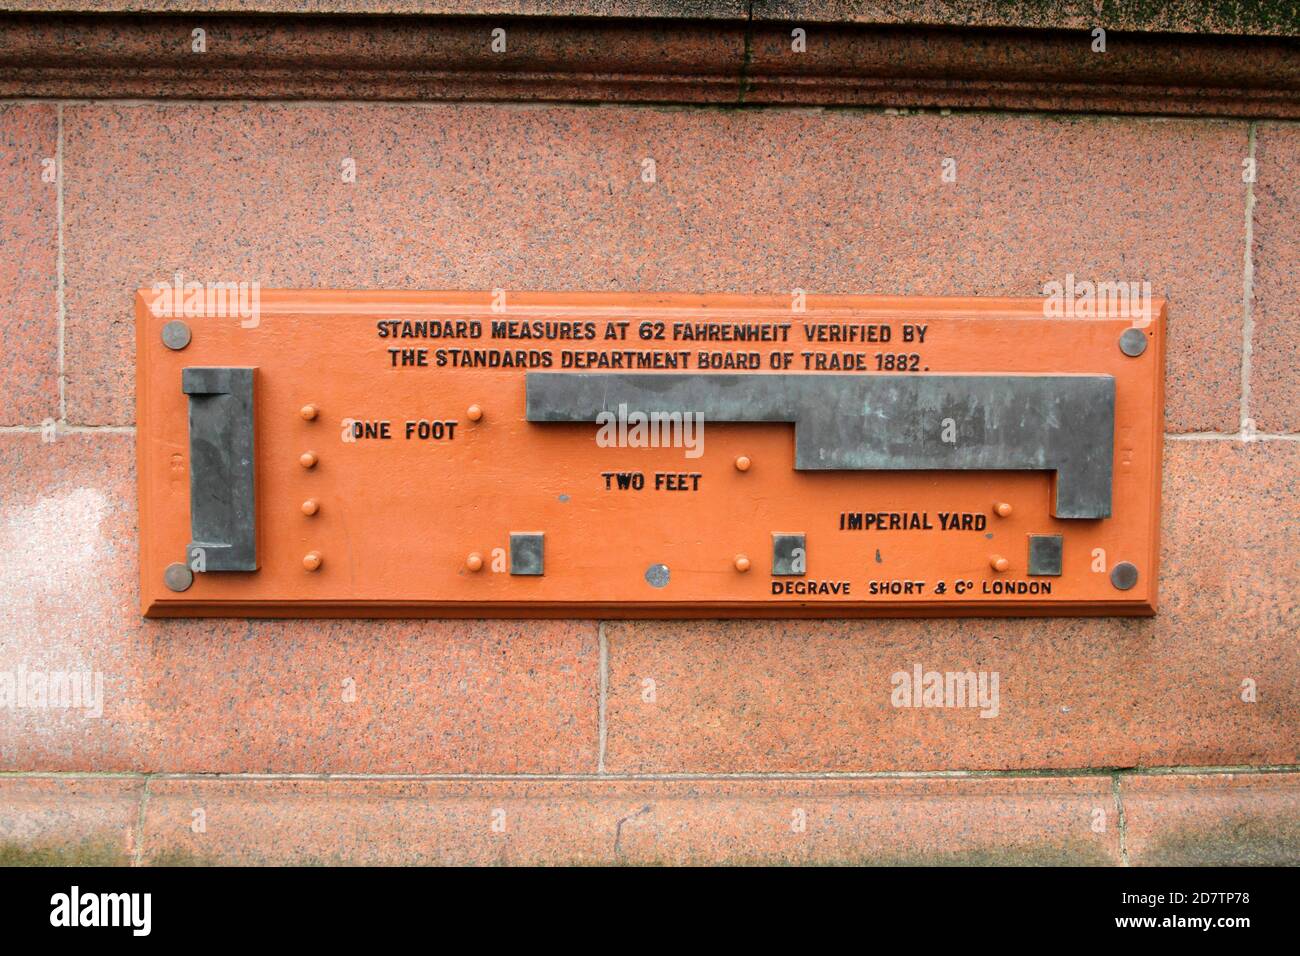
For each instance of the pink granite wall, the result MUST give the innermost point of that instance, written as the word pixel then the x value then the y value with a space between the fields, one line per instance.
pixel 581 740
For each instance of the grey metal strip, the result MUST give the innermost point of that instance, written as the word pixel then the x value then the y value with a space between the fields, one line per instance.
pixel 921 422
pixel 223 506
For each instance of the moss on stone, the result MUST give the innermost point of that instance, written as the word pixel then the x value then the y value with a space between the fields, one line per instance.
pixel 88 852
pixel 1249 841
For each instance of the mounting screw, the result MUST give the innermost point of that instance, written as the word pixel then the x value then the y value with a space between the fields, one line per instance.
pixel 1003 509
pixel 475 561
pixel 310 506
pixel 176 335
pixel 1124 575
pixel 178 577
pixel 1133 342
pixel 998 563
pixel 474 412
pixel 742 563
pixel 743 463
pixel 308 412
pixel 657 575
pixel 308 459
pixel 311 560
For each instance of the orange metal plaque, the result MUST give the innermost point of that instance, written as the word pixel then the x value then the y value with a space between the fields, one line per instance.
pixel 307 453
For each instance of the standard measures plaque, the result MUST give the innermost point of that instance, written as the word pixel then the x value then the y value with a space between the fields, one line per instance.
pixel 316 453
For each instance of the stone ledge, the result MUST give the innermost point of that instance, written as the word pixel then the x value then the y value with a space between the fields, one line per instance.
pixel 660 60
pixel 1178 818
pixel 1174 16
pixel 385 821
pixel 69 820
pixel 1212 819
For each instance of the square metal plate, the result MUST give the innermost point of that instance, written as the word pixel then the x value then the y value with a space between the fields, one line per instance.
pixel 1046 554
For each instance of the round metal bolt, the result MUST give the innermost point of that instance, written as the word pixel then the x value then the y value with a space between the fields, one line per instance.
pixel 308 459
pixel 475 561
pixel 743 463
pixel 742 563
pixel 178 577
pixel 308 412
pixel 1133 342
pixel 657 575
pixel 176 335
pixel 311 560
pixel 998 563
pixel 474 412
pixel 1003 509
pixel 310 506
pixel 1124 575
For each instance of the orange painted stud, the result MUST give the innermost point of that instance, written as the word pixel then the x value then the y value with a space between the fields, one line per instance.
pixel 474 412
pixel 310 506
pixel 743 463
pixel 308 459
pixel 475 561
pixel 308 412
pixel 998 563
pixel 742 563
pixel 311 560
pixel 1003 509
